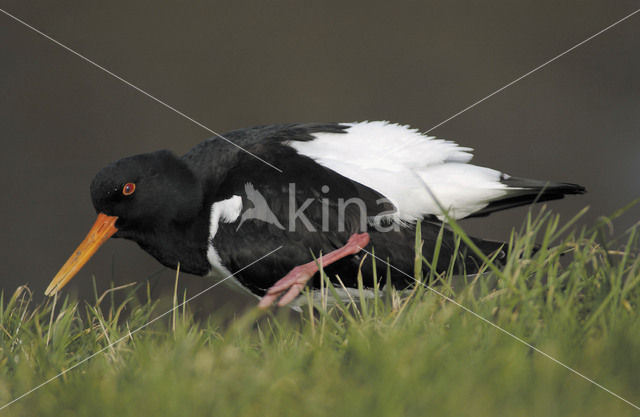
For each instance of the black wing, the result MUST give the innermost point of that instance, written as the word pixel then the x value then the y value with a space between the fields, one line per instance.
pixel 322 224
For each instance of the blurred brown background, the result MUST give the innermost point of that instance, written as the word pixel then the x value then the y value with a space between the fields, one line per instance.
pixel 237 64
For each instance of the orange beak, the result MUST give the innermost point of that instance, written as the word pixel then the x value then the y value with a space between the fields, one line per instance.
pixel 102 230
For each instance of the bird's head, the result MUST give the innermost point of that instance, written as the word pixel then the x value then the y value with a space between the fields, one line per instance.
pixel 134 196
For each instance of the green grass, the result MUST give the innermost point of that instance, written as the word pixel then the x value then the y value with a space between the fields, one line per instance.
pixel 577 298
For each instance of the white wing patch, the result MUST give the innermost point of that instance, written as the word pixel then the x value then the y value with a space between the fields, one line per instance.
pixel 226 211
pixel 408 168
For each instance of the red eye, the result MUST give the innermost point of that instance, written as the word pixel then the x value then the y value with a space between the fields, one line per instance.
pixel 128 188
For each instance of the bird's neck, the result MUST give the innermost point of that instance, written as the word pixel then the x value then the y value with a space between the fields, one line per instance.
pixel 179 243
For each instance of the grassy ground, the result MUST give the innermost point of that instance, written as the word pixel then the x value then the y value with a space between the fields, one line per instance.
pixel 415 354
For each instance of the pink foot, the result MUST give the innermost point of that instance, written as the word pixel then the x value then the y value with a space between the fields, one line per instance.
pixel 297 278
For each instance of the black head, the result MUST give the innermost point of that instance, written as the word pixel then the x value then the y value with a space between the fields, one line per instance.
pixel 140 198
pixel 146 191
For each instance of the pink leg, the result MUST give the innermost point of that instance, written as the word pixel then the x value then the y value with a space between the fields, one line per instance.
pixel 297 278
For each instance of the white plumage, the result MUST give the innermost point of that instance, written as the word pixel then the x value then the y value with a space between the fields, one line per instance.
pixel 225 211
pixel 406 167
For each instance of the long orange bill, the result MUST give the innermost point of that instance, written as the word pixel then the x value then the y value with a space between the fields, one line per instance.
pixel 102 230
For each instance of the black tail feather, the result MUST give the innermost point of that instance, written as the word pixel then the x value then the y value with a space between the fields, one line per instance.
pixel 523 191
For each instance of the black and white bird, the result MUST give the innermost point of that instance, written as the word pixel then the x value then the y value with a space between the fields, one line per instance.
pixel 345 188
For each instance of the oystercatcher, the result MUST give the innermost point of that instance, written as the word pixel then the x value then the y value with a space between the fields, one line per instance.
pixel 343 187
